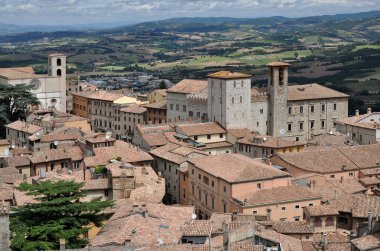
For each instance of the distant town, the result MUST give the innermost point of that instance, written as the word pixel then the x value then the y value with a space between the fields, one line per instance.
pixel 212 164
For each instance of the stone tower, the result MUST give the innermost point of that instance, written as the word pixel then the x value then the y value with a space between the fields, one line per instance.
pixel 229 99
pixel 278 97
pixel 57 65
pixel 4 226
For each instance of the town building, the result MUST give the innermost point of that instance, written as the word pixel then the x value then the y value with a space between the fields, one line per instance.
pixel 295 112
pixel 362 129
pixel 156 112
pixel 283 203
pixel 157 96
pixel 340 163
pixel 4 148
pixel 17 132
pixel 21 163
pixel 216 179
pixel 258 146
pixel 149 137
pixel 49 89
pixel 130 116
pixel 169 160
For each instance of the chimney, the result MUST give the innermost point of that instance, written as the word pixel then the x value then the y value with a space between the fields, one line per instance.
pixel 146 213
pixel 234 216
pixel 369 110
pixel 127 244
pixel 370 220
pixel 357 112
pixel 324 241
pixel 225 235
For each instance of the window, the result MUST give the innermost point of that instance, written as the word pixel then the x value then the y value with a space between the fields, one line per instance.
pixel 192 189
pixel 350 174
pixel 312 108
pixel 261 111
pixel 241 99
pixel 329 221
pixel 221 135
pixel 322 124
pixel 298 139
pixel 258 185
pixel 297 206
pixel 59 62
pixel 311 124
pixel 317 222
pixel 332 176
pixel 212 183
pixel 283 208
pixel 184 193
pixel 289 127
pixel 171 106
pixel 191 114
pixel 206 197
pixel 209 136
pixel 297 218
pixel 323 107
pixel 59 72
pixel 199 176
pixel 170 168
pixel 212 202
pixel 195 137
pixel 311 204
pixel 301 126
pixel 234 84
pixel 232 100
pixel 254 212
pixel 301 109
pixel 335 107
pixel 184 108
pixel 225 208
pixel 200 195
pixel 224 189
pixel 290 110
pixel 206 180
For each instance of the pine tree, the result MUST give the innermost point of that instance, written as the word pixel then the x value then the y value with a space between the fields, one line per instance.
pixel 59 213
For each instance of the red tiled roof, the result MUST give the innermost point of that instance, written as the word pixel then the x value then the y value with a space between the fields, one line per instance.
pixel 191 86
pixel 312 91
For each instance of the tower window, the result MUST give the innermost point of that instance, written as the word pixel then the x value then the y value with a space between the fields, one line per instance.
pixel 232 100
pixel 59 62
pixel 241 99
pixel 281 76
pixel 59 72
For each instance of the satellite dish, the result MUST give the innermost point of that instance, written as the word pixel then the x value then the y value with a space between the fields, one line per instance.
pixel 282 131
pixel 160 241
pixel 265 139
pixel 108 137
pixel 13 146
pixel 56 143
pixel 193 216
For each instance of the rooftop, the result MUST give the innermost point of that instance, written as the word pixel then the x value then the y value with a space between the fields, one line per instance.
pixel 127 152
pixel 290 227
pixel 176 153
pixel 74 153
pixel 228 75
pixel 312 91
pixel 239 133
pixel 22 126
pixel 200 129
pixel 157 135
pixel 268 141
pixel 280 195
pixel 18 72
pixel 134 109
pixel 322 210
pixel 367 242
pixel 278 63
pixel 157 105
pixel 358 204
pixel 143 229
pixel 189 86
pixel 236 168
pixel 369 120
pixel 17 161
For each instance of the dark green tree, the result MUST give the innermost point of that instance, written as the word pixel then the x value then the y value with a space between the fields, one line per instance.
pixel 59 213
pixel 16 100
pixel 162 85
pixel 3 115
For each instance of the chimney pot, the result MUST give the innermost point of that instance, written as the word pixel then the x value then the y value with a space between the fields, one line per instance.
pixel 357 112
pixel 369 110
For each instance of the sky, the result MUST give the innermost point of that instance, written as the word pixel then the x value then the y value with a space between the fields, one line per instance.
pixel 71 12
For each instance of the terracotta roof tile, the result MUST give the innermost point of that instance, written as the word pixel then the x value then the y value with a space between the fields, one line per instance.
pixel 4 142
pixel 269 142
pixel 24 127
pixel 9 175
pixel 369 181
pixel 176 153
pixel 214 145
pixel 197 228
pixel 200 129
pixel 157 105
pixel 18 72
pixel 365 156
pixel 134 109
pixel 358 204
pixel 235 168
pixel 73 153
pixel 279 195
pixel 17 161
pixel 322 210
pixel 189 86
pixel 312 91
pixel 228 75
pixel 239 133
pixel 291 227
pixel 367 242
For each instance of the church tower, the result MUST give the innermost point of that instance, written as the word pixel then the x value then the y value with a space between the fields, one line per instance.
pixel 229 99
pixel 278 91
pixel 57 65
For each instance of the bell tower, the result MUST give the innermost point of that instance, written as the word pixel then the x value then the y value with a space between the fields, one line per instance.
pixel 57 65
pixel 278 89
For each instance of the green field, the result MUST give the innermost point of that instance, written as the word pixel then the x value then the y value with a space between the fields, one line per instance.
pixel 369 46
pixel 113 68
pixel 369 85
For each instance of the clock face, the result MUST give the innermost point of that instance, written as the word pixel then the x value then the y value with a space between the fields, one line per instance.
pixel 35 83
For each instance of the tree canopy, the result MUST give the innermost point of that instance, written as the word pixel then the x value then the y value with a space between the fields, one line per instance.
pixel 59 212
pixel 16 100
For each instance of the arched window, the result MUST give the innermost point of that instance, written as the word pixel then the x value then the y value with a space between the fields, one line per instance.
pixel 59 72
pixel 317 222
pixel 59 62
pixel 329 221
